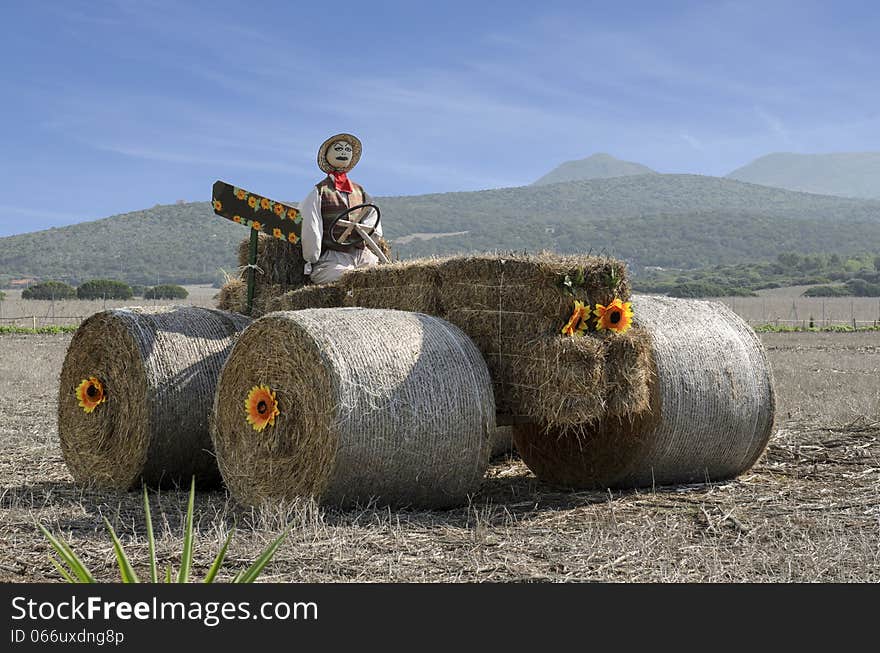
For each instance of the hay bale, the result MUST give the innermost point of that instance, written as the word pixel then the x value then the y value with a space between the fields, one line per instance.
pixel 712 408
pixel 317 296
pixel 513 308
pixel 233 296
pixel 405 286
pixel 373 403
pixel 280 268
pixel 158 367
pixel 502 442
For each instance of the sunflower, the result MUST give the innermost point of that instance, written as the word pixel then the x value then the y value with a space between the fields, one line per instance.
pixel 90 393
pixel 292 213
pixel 256 225
pixel 291 237
pixel 279 210
pixel 236 218
pixel 240 193
pixel 617 316
pixel 277 233
pixel 217 205
pixel 261 407
pixel 577 323
pixel 264 203
pixel 252 202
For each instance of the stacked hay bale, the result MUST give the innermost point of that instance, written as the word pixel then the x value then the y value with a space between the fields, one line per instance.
pixel 351 404
pixel 513 308
pixel 136 388
pixel 712 408
pixel 279 269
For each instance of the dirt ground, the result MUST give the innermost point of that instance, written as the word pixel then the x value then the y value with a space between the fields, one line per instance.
pixel 809 510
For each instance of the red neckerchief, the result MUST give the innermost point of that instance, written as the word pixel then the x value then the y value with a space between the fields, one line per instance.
pixel 343 184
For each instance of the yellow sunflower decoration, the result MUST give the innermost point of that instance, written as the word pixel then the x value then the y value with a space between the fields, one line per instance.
pixel 217 205
pixel 577 323
pixel 256 225
pixel 252 202
pixel 291 213
pixel 617 316
pixel 279 210
pixel 291 238
pixel 90 394
pixel 240 193
pixel 277 233
pixel 261 407
pixel 264 203
pixel 236 218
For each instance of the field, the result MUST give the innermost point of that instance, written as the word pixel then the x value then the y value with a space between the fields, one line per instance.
pixel 809 511
pixel 33 313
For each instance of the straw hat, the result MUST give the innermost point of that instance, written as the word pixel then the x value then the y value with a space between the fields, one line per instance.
pixel 352 140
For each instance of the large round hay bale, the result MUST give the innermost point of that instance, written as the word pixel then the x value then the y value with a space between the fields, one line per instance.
pixel 157 370
pixel 712 408
pixel 371 404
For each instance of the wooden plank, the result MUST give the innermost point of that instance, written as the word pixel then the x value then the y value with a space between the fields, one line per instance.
pixel 258 212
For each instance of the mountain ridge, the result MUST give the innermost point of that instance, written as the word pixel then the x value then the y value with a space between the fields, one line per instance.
pixel 596 166
pixel 842 174
pixel 656 219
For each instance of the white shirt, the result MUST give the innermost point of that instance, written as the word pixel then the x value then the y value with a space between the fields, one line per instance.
pixel 313 224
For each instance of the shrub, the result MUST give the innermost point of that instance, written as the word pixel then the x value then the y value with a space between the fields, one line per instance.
pixel 692 289
pixel 166 291
pixel 2 295
pixel 104 289
pixel 828 291
pixel 49 290
pixel 137 290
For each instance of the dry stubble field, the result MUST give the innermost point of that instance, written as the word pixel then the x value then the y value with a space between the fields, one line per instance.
pixel 809 511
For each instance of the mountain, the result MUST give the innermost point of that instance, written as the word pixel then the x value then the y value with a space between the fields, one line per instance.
pixel 598 166
pixel 848 174
pixel 681 221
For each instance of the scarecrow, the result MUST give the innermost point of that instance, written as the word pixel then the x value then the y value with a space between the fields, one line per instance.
pixel 328 256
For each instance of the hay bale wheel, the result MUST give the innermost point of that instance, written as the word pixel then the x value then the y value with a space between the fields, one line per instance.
pixel 371 404
pixel 712 408
pixel 157 369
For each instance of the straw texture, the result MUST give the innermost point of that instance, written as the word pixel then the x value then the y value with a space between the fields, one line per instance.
pixel 373 404
pixel 159 368
pixel 712 408
pixel 513 308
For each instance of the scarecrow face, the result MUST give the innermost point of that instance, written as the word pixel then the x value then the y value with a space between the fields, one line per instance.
pixel 339 154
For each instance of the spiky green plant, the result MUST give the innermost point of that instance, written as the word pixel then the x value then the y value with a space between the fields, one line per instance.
pixel 77 572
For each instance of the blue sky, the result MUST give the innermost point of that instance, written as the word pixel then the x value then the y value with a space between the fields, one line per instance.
pixel 115 106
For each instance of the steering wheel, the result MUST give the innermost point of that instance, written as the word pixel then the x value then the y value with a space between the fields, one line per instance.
pixel 345 234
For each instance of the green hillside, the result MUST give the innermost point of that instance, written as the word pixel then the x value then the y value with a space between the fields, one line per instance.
pixel 683 221
pixel 849 174
pixel 597 166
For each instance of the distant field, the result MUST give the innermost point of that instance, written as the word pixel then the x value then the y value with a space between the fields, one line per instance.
pixel 15 311
pixel 787 306
pixel 808 511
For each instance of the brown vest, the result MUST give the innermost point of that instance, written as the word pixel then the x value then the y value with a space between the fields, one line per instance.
pixel 332 205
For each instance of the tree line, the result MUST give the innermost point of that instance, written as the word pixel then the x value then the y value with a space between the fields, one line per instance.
pixel 102 289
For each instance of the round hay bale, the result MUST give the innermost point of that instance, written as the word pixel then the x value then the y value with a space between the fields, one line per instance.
pixel 157 369
pixel 712 408
pixel 371 404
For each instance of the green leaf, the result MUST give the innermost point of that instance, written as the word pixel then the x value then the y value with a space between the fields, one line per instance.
pixel 186 556
pixel 218 561
pixel 125 569
pixel 68 556
pixel 168 573
pixel 151 541
pixel 252 572
pixel 61 570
